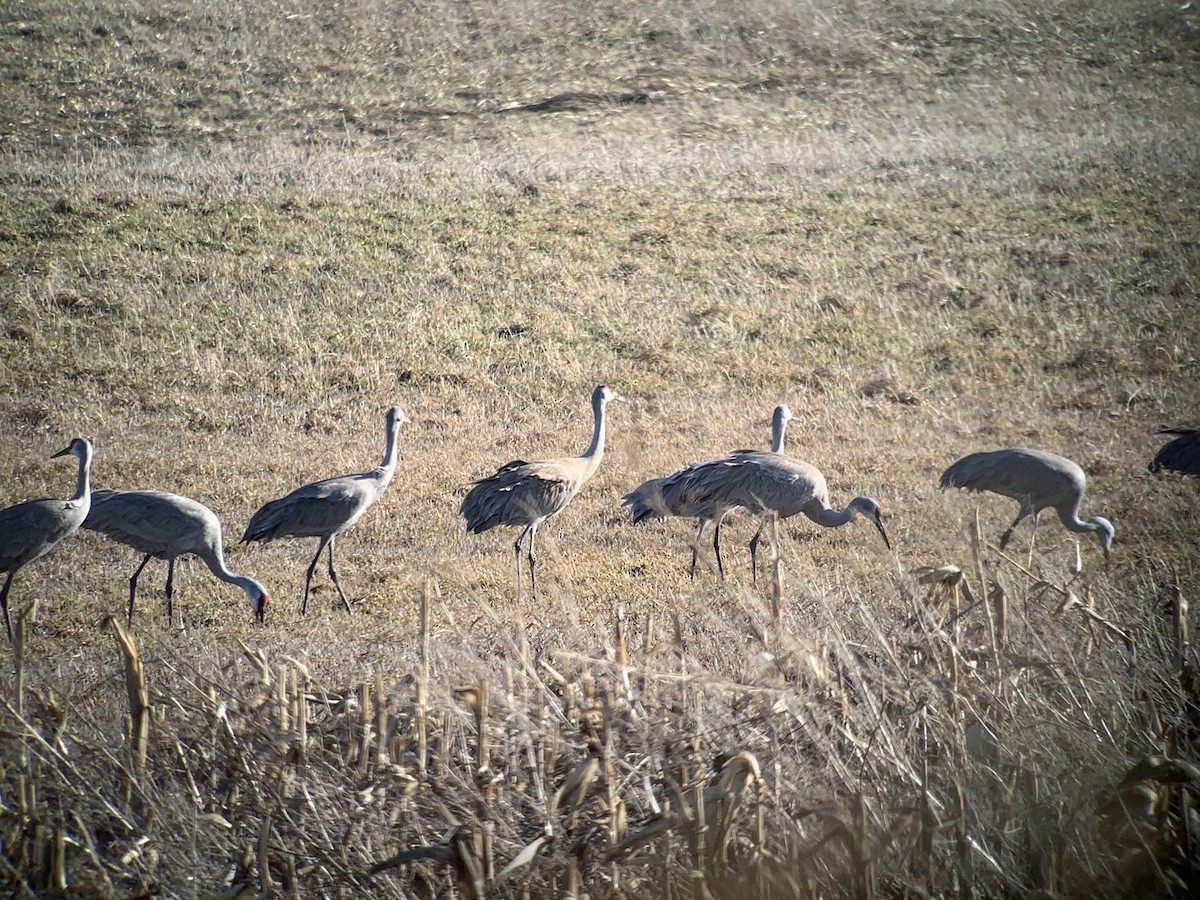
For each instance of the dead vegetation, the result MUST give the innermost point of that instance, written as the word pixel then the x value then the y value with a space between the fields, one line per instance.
pixel 230 237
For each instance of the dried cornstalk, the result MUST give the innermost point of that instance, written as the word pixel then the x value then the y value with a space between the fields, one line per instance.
pixel 138 694
pixel 364 727
pixel 28 614
pixel 423 686
pixel 381 721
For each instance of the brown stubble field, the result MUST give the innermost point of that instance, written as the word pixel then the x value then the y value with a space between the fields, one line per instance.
pixel 231 237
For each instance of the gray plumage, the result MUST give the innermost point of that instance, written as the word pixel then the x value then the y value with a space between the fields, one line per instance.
pixel 324 509
pixel 527 493
pixel 776 485
pixel 683 494
pixel 1180 455
pixel 167 526
pixel 31 529
pixel 1034 478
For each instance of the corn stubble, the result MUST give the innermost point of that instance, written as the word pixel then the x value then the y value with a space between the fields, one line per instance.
pixel 234 236
pixel 861 761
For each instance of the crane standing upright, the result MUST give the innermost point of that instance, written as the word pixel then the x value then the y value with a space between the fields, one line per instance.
pixel 30 530
pixel 325 509
pixel 528 493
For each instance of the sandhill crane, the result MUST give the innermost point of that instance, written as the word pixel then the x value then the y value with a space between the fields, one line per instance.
pixel 1180 455
pixel 29 530
pixel 774 485
pixel 324 509
pixel 678 494
pixel 1034 478
pixel 528 493
pixel 167 526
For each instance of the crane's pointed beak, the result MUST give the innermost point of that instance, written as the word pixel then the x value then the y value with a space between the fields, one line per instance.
pixel 260 614
pixel 63 452
pixel 879 524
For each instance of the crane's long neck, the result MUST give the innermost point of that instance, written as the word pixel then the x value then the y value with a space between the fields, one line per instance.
pixel 83 482
pixel 595 450
pixel 778 429
pixel 216 564
pixel 830 518
pixel 388 464
pixel 1069 516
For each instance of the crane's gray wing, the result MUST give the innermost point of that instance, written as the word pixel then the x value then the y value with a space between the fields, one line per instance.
pixel 520 494
pixel 759 481
pixel 683 493
pixel 1180 455
pixel 313 510
pixel 30 529
pixel 1017 472
pixel 155 522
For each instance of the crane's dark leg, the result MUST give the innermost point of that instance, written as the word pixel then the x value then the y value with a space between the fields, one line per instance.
pixel 717 545
pixel 133 591
pixel 4 603
pixel 696 549
pixel 532 562
pixel 170 590
pixel 333 575
pixel 312 567
pixel 1004 538
pixel 754 551
pixel 517 554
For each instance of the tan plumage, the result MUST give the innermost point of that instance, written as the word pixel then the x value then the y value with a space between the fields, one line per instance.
pixel 527 493
pixel 30 530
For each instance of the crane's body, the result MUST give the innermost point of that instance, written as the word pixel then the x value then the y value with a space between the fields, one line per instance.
pixel 1181 455
pixel 1037 480
pixel 525 494
pixel 684 494
pixel 166 526
pixel 30 530
pixel 325 509
pixel 774 485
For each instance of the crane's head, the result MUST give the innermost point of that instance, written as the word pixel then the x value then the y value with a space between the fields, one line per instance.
pixel 396 417
pixel 80 448
pixel 257 595
pixel 1104 533
pixel 603 393
pixel 870 509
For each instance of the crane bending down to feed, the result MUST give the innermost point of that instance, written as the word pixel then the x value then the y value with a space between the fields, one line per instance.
pixel 773 485
pixel 166 526
pixel 1034 478
pixel 324 509
pixel 678 494
pixel 528 493
pixel 30 530
pixel 1180 455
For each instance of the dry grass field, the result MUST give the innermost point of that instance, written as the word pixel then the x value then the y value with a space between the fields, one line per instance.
pixel 231 235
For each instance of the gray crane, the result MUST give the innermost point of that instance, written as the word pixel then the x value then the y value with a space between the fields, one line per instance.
pixel 679 494
pixel 29 530
pixel 1180 455
pixel 773 485
pixel 1034 478
pixel 324 509
pixel 528 493
pixel 167 526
